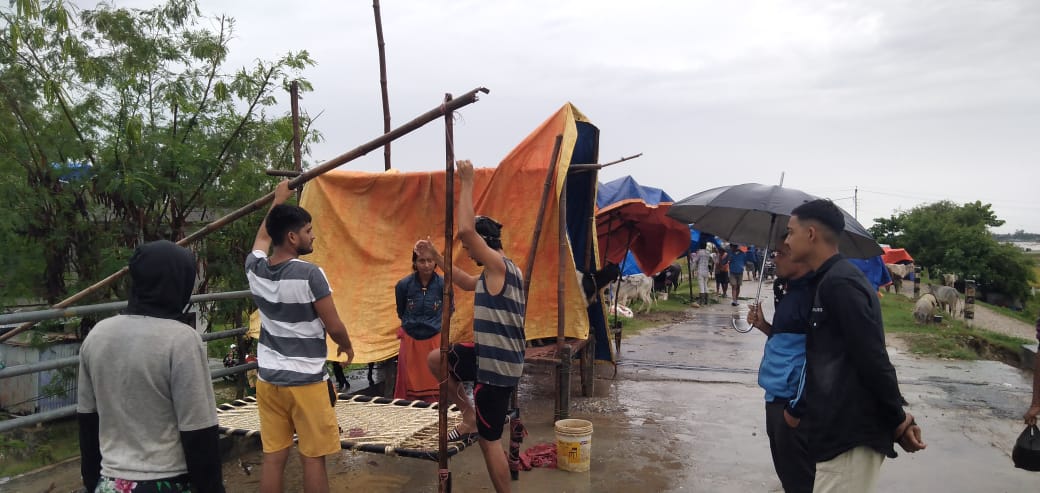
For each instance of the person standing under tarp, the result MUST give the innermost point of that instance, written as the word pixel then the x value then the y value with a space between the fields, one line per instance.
pixel 147 416
pixel 420 296
pixel 296 313
pixel 781 370
pixel 495 359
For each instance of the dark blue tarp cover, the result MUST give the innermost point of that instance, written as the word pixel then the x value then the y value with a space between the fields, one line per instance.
pixel 625 189
pixel 580 186
pixel 875 270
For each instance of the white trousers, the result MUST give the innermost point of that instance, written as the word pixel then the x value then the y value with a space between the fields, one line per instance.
pixel 855 471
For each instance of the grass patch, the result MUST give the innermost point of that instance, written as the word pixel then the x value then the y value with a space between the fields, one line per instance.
pixel 663 312
pixel 950 339
pixel 26 449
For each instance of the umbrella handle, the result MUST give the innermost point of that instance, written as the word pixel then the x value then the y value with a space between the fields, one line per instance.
pixel 739 324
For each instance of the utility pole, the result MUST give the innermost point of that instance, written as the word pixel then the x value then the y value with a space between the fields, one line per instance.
pixel 855 203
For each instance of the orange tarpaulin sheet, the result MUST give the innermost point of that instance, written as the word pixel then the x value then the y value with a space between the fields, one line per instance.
pixel 895 255
pixel 367 223
pixel 657 240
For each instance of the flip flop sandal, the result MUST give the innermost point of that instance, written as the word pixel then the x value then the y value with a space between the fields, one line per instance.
pixel 455 436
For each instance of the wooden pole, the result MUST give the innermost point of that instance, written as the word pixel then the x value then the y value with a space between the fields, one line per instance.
pixel 516 428
pixel 550 178
pixel 588 359
pixel 575 168
pixel 382 80
pixel 563 352
pixel 443 473
pixel 294 93
pixel 444 109
pixel 689 273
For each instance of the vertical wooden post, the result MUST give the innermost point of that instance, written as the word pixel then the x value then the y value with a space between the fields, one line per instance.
pixel 689 273
pixel 294 97
pixel 550 178
pixel 589 356
pixel 563 351
pixel 969 301
pixel 443 473
pixel 382 81
pixel 917 281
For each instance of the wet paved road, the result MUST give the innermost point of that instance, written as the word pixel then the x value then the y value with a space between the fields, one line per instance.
pixel 684 413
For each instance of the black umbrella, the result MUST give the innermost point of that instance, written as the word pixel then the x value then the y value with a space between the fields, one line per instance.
pixel 756 214
pixel 751 212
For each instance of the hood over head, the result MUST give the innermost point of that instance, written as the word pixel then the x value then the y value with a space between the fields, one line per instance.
pixel 162 277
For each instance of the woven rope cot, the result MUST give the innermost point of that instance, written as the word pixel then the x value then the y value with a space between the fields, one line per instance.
pixel 368 424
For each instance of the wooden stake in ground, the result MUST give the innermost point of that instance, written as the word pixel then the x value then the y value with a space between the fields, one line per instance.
pixel 443 473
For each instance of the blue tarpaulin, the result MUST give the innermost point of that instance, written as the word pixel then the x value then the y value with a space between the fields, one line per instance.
pixel 875 270
pixel 625 189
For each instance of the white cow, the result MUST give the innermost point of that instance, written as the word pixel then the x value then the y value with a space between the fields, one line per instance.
pixel 925 308
pixel 636 287
pixel 948 298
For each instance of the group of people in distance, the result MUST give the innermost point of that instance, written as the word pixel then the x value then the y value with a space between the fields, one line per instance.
pixel 727 266
pixel 146 408
pixel 147 414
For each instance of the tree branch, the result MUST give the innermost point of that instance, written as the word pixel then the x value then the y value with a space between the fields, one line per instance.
pixel 218 169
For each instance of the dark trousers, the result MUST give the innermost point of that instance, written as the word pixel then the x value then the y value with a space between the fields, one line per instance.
pixel 790 450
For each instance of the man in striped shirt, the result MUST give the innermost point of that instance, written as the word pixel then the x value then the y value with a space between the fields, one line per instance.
pixel 495 360
pixel 296 311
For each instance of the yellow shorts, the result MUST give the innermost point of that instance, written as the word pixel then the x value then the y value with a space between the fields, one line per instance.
pixel 304 409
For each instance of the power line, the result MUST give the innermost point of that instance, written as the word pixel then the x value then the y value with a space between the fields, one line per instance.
pixel 1002 204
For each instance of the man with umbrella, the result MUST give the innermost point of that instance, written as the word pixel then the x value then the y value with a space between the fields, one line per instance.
pixel 851 396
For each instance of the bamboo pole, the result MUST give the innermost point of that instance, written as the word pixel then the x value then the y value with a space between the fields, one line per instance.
pixel 516 428
pixel 444 109
pixel 382 80
pixel 563 373
pixel 588 371
pixel 294 97
pixel 550 178
pixel 575 168
pixel 443 473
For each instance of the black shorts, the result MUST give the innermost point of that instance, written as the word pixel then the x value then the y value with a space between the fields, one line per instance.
pixel 490 401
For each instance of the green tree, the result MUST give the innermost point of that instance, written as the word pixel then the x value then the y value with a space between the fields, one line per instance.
pixel 125 125
pixel 947 237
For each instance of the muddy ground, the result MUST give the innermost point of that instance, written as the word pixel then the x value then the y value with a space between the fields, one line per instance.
pixel 684 413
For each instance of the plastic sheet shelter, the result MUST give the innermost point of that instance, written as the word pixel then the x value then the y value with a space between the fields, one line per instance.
pixel 367 223
pixel 632 217
pixel 896 256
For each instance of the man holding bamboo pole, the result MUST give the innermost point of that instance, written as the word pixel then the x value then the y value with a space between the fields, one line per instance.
pixel 296 311
pixel 495 360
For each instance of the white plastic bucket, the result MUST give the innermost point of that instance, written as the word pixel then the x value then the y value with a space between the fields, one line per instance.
pixel 573 445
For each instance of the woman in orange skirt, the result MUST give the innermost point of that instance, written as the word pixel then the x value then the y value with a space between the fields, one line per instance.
pixel 420 297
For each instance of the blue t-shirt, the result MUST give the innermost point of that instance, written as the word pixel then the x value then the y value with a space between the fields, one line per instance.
pixel 736 262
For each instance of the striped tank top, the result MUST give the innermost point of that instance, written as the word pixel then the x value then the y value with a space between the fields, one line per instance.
pixel 498 330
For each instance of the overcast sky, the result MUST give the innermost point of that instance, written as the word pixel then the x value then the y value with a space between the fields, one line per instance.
pixel 908 101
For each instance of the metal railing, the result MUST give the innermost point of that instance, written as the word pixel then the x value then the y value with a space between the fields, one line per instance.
pixel 48 314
